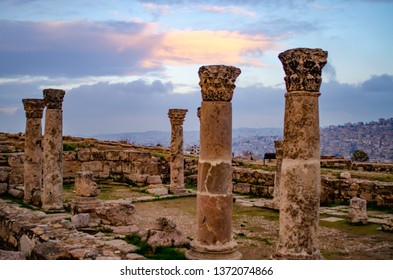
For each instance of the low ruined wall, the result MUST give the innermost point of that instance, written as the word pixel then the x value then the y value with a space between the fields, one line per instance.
pixel 345 164
pixel 138 167
pixel 372 166
pixel 341 190
pixel 254 182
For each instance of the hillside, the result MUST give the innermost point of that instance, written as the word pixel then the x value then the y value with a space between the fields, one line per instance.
pixel 375 138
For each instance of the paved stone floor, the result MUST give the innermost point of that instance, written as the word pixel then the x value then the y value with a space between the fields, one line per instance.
pixel 338 213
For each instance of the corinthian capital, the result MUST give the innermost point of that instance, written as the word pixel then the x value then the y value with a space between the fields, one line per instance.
pixel 303 68
pixel 177 116
pixel 218 82
pixel 53 98
pixel 34 107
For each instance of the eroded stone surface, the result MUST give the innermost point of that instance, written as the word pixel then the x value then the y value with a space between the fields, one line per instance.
pixel 277 176
pixel 218 82
pixel 33 156
pixel 300 184
pixel 357 211
pixel 176 117
pixel 165 234
pixel 52 196
pixel 116 213
pixel 303 68
pixel 85 184
pixel 214 193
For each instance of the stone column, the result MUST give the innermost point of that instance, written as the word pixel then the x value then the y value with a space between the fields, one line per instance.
pixel 52 196
pixel 176 117
pixel 277 176
pixel 300 185
pixel 33 148
pixel 214 194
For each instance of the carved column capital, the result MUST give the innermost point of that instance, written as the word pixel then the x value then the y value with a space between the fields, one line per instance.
pixel 53 98
pixel 218 82
pixel 303 68
pixel 34 107
pixel 177 116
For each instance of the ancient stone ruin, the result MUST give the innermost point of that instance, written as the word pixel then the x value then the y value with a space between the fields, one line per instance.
pixel 214 195
pixel 300 185
pixel 357 211
pixel 176 117
pixel 33 150
pixel 297 187
pixel 52 196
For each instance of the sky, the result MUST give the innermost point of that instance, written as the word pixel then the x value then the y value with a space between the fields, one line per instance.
pixel 125 63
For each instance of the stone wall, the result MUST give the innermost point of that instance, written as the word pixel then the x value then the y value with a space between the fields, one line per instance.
pixel 254 182
pixel 139 167
pixel 341 163
pixel 342 190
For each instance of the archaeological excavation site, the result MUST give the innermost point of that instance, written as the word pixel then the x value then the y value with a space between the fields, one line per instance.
pixel 71 198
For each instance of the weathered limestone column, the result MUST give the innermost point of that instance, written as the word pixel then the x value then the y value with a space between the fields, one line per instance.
pixel 300 185
pixel 277 176
pixel 176 117
pixel 214 194
pixel 33 147
pixel 52 196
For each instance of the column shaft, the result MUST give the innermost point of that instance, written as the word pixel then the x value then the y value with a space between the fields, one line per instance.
pixel 214 194
pixel 177 158
pixel 300 184
pixel 52 197
pixel 33 148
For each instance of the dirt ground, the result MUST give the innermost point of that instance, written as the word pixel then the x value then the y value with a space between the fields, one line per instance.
pixel 256 231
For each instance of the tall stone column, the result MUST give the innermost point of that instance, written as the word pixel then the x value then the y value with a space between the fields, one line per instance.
pixel 176 117
pixel 300 185
pixel 277 176
pixel 33 147
pixel 214 194
pixel 52 196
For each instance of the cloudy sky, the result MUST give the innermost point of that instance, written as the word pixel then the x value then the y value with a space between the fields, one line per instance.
pixel 124 63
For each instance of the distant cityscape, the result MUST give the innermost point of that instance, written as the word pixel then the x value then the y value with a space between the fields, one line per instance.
pixel 375 138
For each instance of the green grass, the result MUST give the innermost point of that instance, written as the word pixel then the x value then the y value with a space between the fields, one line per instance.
pixel 190 186
pixel 22 204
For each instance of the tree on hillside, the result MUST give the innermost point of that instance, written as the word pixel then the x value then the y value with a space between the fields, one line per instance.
pixel 359 155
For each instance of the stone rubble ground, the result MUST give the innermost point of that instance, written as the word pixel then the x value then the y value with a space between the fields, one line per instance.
pixel 57 235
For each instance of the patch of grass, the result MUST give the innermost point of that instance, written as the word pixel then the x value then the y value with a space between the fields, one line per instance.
pixel 344 225
pixel 22 204
pixel 68 186
pixel 159 253
pixel 264 241
pixel 375 207
pixel 190 186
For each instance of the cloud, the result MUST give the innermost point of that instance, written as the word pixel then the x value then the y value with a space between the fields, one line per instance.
pixel 236 10
pixel 142 105
pixel 157 10
pixel 76 48
pixel 370 100
pixel 213 47
pixel 84 48
pixel 9 111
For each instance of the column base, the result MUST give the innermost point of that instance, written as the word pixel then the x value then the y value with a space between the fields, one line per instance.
pixel 213 252
pixel 53 208
pixel 292 256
